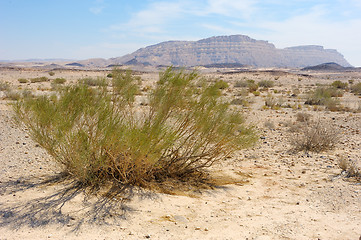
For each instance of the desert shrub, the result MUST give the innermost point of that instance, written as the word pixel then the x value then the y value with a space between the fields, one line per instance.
pixel 59 80
pixel 303 117
pixel 241 83
pixel 314 136
pixel 256 93
pixel 51 73
pixel 252 87
pixel 11 94
pixel 4 86
pixel 39 79
pixel 324 96
pixel 22 80
pixel 272 102
pixel 99 134
pixel 93 81
pixel 356 89
pixel 339 84
pixel 269 124
pixel 240 101
pixel 109 75
pixel 220 84
pixel 349 168
pixel 266 83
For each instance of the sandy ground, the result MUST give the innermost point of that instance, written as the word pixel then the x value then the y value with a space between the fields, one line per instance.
pixel 280 194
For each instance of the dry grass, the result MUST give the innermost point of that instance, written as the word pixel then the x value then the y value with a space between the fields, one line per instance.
pixel 314 136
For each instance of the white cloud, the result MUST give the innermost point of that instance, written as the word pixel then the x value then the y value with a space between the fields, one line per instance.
pixel 98 7
pixel 230 8
pixel 152 19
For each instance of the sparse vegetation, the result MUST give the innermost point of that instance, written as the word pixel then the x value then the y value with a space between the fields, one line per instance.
pixel 100 136
pixel 4 86
pixel 266 83
pixel 314 136
pixel 339 84
pixel 220 84
pixel 325 96
pixel 94 81
pixel 303 117
pixel 23 80
pixel 51 73
pixel 356 89
pixel 349 168
pixel 59 80
pixel 240 101
pixel 39 79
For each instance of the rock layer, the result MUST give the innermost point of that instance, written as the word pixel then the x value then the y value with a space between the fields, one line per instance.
pixel 231 49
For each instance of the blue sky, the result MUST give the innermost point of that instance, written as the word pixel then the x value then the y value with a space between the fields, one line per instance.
pixel 81 29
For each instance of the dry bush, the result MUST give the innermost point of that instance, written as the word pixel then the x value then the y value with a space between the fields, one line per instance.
pixel 314 136
pixel 356 89
pixel 99 134
pixel 39 79
pixel 94 82
pixel 266 83
pixel 349 168
pixel 240 101
pixel 325 96
pixel 339 84
pixel 269 124
pixel 59 80
pixel 303 117
pixel 22 80
pixel 4 86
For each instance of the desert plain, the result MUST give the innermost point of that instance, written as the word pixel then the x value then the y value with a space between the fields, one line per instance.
pixel 277 193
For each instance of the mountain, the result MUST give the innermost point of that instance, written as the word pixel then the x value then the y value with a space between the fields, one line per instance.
pixel 238 49
pixel 331 66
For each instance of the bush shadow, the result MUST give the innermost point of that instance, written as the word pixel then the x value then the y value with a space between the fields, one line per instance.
pixel 92 206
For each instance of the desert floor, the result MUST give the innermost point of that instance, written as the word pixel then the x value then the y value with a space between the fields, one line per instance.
pixel 280 194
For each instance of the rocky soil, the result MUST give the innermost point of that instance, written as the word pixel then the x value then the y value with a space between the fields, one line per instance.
pixel 279 194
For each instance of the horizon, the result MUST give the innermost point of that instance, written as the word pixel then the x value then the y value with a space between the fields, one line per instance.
pixel 79 30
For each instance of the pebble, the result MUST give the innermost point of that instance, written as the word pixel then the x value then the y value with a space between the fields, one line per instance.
pixel 179 218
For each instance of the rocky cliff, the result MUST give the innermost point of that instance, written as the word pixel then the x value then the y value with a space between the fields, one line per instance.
pixel 238 49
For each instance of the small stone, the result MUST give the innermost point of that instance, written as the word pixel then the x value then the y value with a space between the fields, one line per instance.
pixel 197 228
pixel 206 229
pixel 179 218
pixel 147 236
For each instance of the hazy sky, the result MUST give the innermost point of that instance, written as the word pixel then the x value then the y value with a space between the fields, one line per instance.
pixel 80 29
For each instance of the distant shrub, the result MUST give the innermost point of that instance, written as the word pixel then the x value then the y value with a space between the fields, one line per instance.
pixel 99 135
pixel 324 96
pixel 22 80
pixel 240 101
pixel 356 89
pixel 272 102
pixel 303 117
pixel 252 87
pixel 349 168
pixel 59 80
pixel 109 75
pixel 39 79
pixel 51 73
pixel 220 84
pixel 256 93
pixel 315 137
pixel 4 86
pixel 339 84
pixel 94 81
pixel 266 83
